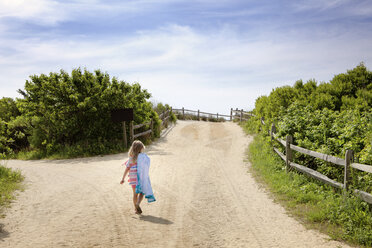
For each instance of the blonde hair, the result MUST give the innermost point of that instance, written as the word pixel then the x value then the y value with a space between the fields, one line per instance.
pixel 135 149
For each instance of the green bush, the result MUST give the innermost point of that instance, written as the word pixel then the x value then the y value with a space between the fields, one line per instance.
pixel 69 115
pixel 12 127
pixel 161 108
pixel 319 205
pixel 329 118
pixel 10 181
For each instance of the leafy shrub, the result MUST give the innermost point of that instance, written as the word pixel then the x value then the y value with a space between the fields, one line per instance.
pixel 64 114
pixel 343 218
pixel 9 181
pixel 12 127
pixel 329 118
pixel 161 108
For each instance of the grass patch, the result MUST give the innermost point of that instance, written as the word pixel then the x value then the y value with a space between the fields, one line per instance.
pixel 79 150
pixel 317 205
pixel 10 181
pixel 82 149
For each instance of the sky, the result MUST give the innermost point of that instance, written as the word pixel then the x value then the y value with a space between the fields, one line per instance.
pixel 198 54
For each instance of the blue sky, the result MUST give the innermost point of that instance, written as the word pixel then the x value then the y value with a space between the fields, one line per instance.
pixel 204 54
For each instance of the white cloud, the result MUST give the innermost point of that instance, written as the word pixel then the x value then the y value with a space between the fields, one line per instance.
pixel 212 71
pixel 39 11
pixel 52 12
pixel 336 8
pixel 318 4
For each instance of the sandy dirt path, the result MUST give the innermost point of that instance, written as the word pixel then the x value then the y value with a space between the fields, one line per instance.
pixel 205 198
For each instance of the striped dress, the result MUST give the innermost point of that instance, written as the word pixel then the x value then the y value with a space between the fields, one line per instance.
pixel 132 172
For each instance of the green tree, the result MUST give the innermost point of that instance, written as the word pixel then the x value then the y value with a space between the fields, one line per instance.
pixel 74 110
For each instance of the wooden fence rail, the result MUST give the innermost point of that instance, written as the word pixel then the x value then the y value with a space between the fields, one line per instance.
pixel 141 125
pixel 132 127
pixel 199 113
pixel 240 114
pixel 345 163
pixel 164 117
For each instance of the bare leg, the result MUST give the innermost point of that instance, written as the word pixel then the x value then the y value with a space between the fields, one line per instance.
pixel 140 198
pixel 137 206
pixel 135 197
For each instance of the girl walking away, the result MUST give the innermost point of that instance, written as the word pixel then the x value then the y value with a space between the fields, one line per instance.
pixel 138 166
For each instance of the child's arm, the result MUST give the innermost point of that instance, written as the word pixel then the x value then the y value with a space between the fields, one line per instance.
pixel 125 174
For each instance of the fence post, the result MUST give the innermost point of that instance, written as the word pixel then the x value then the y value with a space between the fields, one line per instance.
pixel 198 115
pixel 288 151
pixel 241 115
pixel 231 114
pixel 152 128
pixel 159 127
pixel 217 116
pixel 183 112
pixel 131 132
pixel 125 135
pixel 273 130
pixel 171 112
pixel 348 160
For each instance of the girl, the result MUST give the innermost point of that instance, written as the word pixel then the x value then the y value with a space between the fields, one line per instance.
pixel 138 166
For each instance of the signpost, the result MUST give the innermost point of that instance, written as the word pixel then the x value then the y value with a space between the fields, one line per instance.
pixel 122 115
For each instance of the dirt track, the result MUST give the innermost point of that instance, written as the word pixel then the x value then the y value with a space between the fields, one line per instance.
pixel 205 198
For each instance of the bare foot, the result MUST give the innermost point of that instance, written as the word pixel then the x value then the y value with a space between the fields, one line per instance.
pixel 138 209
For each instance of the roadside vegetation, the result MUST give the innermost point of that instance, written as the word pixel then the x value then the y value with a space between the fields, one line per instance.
pixel 64 115
pixel 330 118
pixel 194 117
pixel 10 181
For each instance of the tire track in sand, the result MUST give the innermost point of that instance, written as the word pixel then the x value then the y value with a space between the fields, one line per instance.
pixel 205 198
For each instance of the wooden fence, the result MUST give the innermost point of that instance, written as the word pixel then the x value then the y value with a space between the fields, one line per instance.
pixel 346 163
pixel 197 113
pixel 241 115
pixel 164 117
pixel 234 114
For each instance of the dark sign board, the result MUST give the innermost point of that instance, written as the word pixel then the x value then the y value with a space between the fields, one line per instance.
pixel 119 115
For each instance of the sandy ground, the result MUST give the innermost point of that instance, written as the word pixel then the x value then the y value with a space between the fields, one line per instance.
pixel 205 198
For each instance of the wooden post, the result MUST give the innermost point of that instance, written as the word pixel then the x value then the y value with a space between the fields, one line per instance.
pixel 348 160
pixel 171 111
pixel 183 112
pixel 241 115
pixel 125 135
pixel 131 132
pixel 288 152
pixel 273 130
pixel 198 115
pixel 231 114
pixel 159 127
pixel 152 128
pixel 217 116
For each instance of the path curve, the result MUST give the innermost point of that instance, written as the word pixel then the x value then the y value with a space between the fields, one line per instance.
pixel 205 198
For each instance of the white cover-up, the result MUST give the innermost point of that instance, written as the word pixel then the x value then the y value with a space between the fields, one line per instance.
pixel 143 180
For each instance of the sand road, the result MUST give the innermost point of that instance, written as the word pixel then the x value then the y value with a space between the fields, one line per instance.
pixel 205 194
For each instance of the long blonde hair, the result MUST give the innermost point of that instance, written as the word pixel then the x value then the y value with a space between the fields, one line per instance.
pixel 135 149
